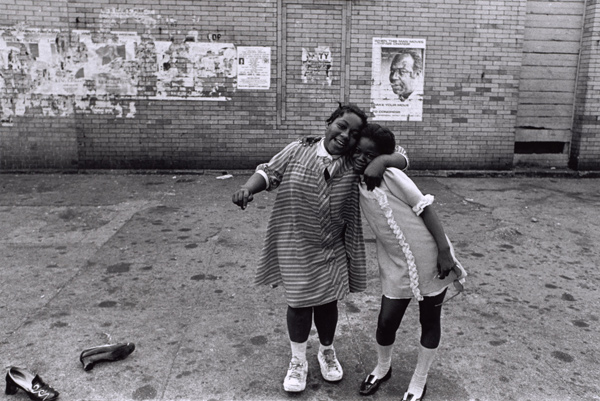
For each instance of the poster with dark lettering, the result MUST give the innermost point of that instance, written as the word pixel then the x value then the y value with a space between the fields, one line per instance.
pixel 316 65
pixel 398 72
pixel 254 67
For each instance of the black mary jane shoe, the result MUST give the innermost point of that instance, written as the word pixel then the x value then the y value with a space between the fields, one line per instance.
pixel 411 397
pixel 33 385
pixel 371 383
pixel 105 353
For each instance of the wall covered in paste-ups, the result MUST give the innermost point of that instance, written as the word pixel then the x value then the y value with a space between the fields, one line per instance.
pixel 163 84
pixel 103 72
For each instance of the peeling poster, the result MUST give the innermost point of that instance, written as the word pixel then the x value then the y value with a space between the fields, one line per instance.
pixel 55 73
pixel 316 65
pixel 195 71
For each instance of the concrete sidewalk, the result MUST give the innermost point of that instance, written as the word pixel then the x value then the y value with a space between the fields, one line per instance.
pixel 167 262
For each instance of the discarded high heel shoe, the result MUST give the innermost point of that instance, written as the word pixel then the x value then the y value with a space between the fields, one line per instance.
pixel 105 353
pixel 33 385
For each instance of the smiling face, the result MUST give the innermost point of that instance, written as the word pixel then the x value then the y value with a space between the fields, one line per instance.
pixel 365 152
pixel 342 133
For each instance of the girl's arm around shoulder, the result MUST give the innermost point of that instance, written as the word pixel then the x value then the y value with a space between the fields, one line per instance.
pixel 375 170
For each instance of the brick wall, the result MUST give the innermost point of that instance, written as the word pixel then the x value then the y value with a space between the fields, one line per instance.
pixel 471 77
pixel 473 57
pixel 585 148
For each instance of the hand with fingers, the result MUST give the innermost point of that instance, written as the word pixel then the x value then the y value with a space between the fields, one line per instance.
pixel 374 173
pixel 242 197
pixel 445 263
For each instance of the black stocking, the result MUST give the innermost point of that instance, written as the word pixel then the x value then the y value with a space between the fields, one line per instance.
pixel 326 318
pixel 299 322
pixel 429 317
pixel 390 317
pixel 391 314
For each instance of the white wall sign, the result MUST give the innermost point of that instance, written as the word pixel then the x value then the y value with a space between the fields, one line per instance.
pixel 254 67
pixel 398 74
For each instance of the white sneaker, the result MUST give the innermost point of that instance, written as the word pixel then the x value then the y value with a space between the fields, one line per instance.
pixel 330 366
pixel 295 380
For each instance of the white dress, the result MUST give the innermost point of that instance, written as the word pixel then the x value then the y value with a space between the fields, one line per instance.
pixel 402 238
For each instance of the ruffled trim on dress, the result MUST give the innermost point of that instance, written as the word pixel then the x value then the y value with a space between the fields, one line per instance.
pixel 410 259
pixel 426 201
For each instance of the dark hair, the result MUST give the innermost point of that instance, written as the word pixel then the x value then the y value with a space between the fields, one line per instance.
pixel 381 136
pixel 348 108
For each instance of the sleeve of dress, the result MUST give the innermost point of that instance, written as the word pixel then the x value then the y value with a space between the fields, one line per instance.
pixel 274 170
pixel 402 151
pixel 401 186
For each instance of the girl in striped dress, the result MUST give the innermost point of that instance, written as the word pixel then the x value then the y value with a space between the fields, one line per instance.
pixel 314 242
pixel 415 258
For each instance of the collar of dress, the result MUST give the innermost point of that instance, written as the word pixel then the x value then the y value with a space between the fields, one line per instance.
pixel 323 153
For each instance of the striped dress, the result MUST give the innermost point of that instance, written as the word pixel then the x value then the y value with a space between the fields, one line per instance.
pixel 314 242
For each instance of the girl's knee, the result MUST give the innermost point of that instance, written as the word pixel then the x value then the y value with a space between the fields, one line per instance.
pixel 431 334
pixel 385 337
pixel 387 323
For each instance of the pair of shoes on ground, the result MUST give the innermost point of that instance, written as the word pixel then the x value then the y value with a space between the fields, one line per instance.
pixel 371 385
pixel 331 370
pixel 22 379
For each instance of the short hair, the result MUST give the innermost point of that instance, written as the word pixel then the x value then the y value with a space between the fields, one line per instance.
pixel 348 108
pixel 416 56
pixel 381 136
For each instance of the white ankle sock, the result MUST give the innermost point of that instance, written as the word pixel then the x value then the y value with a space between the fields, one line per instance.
pixel 299 350
pixel 419 377
pixel 384 360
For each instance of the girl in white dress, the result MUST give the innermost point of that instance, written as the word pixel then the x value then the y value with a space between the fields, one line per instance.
pixel 416 260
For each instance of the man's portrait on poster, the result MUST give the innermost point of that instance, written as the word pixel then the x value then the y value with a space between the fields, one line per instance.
pixel 401 74
pixel 398 76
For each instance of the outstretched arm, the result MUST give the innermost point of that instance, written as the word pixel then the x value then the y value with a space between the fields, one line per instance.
pixel 267 176
pixel 445 261
pixel 255 184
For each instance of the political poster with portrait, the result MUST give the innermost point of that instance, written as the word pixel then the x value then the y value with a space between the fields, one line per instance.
pixel 398 72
